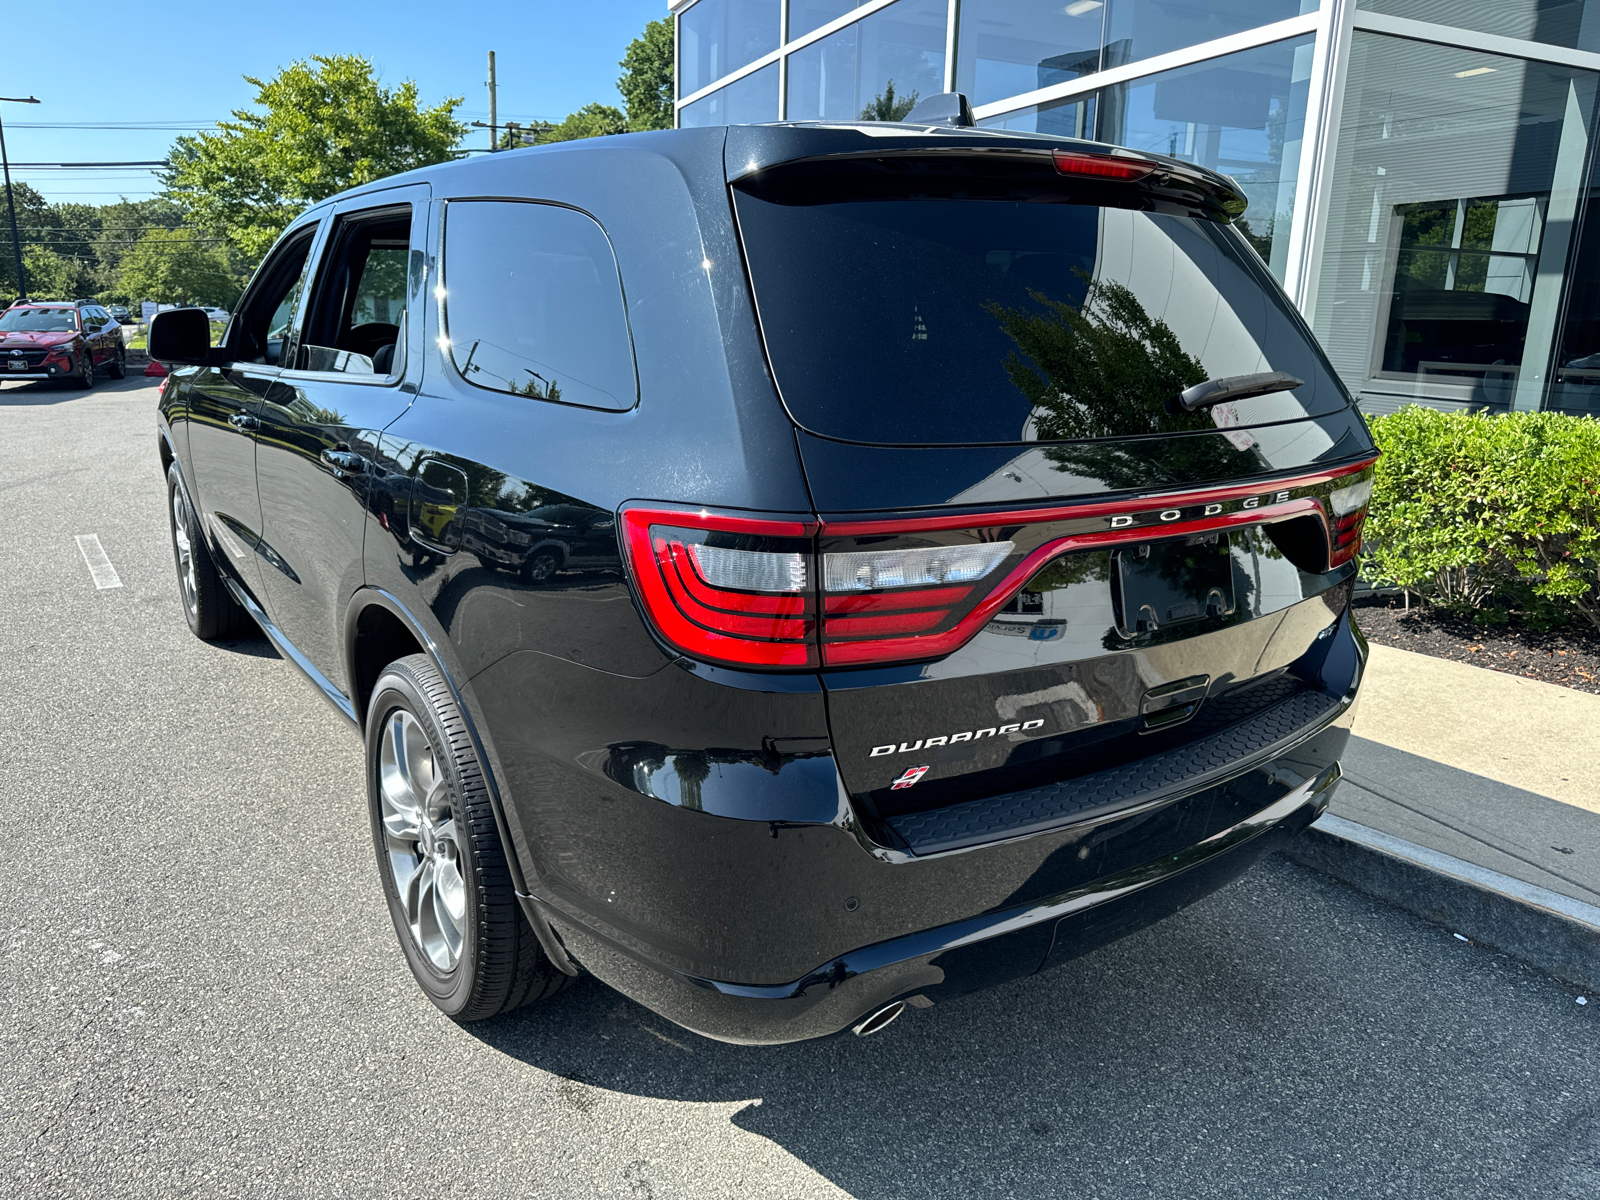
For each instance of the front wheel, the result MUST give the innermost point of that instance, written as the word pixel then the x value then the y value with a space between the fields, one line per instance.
pixel 208 607
pixel 85 376
pixel 444 871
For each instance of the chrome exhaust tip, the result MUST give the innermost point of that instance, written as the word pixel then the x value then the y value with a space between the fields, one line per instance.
pixel 879 1019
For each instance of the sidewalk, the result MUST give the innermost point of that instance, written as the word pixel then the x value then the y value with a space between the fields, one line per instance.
pixel 1473 798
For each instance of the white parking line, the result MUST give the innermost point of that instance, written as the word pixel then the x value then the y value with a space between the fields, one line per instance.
pixel 100 568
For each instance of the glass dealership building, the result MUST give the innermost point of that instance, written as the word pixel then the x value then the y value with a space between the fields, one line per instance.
pixel 1421 173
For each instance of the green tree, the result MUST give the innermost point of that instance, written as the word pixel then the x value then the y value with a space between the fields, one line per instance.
pixel 592 120
pixel 322 126
pixel 51 275
pixel 646 82
pixel 885 107
pixel 118 228
pixel 177 266
pixel 33 215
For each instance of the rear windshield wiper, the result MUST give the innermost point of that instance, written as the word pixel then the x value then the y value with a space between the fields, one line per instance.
pixel 1232 387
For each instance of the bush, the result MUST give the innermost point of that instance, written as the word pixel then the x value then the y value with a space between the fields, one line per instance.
pixel 1469 509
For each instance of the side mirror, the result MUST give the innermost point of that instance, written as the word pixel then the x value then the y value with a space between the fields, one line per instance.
pixel 181 335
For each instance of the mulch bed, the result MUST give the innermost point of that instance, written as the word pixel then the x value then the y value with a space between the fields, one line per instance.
pixel 1569 656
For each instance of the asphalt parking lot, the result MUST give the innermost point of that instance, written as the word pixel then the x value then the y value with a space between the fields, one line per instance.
pixel 200 994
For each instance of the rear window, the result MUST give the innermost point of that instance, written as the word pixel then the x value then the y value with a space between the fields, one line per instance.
pixel 958 321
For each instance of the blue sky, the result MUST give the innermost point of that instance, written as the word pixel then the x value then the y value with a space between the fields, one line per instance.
pixel 164 62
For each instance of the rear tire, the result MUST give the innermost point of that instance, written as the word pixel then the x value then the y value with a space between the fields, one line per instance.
pixel 208 606
pixel 119 365
pixel 444 870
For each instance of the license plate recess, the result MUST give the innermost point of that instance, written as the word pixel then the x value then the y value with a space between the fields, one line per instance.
pixel 1160 584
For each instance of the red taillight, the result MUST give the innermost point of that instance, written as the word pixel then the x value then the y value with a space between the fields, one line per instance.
pixel 733 590
pixel 1347 513
pixel 1102 166
pixel 746 591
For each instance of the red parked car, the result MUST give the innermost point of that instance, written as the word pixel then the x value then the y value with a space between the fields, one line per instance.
pixel 63 340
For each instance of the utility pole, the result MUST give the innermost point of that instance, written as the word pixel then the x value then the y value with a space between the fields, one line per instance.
pixel 494 133
pixel 11 204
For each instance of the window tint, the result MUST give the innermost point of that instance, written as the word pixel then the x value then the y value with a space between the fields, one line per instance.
pixel 357 323
pixel 267 312
pixel 533 304
pixel 960 321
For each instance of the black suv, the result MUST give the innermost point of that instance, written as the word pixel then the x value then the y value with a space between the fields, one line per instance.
pixel 791 572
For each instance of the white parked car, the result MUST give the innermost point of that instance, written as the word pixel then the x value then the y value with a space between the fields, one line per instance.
pixel 217 314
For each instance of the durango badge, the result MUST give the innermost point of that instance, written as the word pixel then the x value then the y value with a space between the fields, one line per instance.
pixel 950 739
pixel 911 776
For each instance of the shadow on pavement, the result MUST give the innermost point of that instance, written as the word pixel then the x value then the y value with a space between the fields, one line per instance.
pixel 43 391
pixel 251 646
pixel 1282 1037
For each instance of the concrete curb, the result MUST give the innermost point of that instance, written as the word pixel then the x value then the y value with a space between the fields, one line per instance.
pixel 1545 929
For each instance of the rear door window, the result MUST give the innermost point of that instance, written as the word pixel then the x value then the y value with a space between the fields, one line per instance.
pixel 533 304
pixel 924 321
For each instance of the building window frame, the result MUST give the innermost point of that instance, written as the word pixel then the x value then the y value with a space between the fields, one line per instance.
pixel 780 55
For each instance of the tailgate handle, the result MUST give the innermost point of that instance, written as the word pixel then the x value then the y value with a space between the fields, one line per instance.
pixel 1173 703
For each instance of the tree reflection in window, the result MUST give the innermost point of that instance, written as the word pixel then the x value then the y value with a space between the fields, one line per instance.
pixel 1107 369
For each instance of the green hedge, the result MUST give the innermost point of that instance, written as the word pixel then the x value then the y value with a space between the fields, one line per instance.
pixel 1488 511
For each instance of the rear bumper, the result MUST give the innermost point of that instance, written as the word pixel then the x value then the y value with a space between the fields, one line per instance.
pixel 950 960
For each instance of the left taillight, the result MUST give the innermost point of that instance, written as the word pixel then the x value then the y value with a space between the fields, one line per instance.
pixel 727 589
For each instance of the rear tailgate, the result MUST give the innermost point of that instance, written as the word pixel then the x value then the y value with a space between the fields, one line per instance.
pixel 1036 565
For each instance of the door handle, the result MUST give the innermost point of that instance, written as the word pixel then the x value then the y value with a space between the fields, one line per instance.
pixel 345 462
pixel 243 420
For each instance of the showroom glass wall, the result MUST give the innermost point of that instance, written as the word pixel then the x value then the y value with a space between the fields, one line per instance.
pixel 1420 172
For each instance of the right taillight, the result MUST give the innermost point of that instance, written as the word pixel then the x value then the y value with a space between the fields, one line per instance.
pixel 1347 513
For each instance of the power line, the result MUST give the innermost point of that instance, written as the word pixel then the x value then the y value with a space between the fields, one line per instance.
pixel 131 126
pixel 88 166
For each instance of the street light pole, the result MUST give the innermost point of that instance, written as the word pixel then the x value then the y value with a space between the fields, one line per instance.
pixel 11 204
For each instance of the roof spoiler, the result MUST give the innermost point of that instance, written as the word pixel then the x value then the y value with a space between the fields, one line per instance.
pixel 814 156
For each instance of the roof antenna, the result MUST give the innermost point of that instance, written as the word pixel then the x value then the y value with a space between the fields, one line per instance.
pixel 946 108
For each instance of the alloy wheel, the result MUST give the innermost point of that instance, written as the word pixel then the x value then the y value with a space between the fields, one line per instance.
pixel 420 839
pixel 185 552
